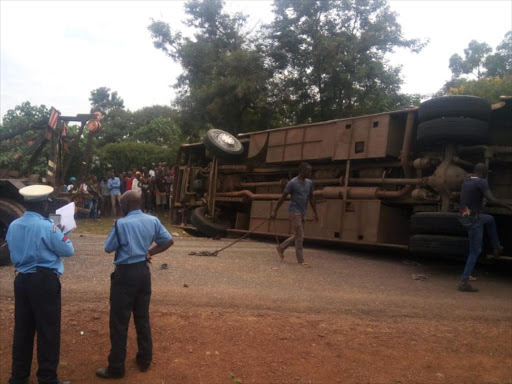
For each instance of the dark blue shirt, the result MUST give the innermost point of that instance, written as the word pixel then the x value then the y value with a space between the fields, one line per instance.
pixel 137 231
pixel 472 194
pixel 299 191
pixel 36 242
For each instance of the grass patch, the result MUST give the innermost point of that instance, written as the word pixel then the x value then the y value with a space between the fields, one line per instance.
pixel 103 225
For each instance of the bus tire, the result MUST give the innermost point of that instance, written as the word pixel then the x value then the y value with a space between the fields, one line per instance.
pixel 438 245
pixel 9 211
pixel 222 144
pixel 437 223
pixel 453 130
pixel 454 106
pixel 205 225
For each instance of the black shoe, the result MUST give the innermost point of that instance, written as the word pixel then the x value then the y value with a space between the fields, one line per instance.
pixel 143 367
pixel 104 373
pixel 466 287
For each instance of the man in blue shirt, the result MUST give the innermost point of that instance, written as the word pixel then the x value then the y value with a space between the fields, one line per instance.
pixel 130 287
pixel 473 190
pixel 301 190
pixel 37 247
pixel 114 185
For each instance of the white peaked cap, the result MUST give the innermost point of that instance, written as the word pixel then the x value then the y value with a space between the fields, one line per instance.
pixel 36 193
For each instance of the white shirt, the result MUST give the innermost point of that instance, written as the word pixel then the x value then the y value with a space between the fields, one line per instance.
pixel 136 186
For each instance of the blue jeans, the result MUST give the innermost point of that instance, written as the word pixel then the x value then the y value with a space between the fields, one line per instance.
pixel 475 228
pixel 92 205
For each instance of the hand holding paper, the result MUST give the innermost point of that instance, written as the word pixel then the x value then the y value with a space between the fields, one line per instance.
pixel 67 219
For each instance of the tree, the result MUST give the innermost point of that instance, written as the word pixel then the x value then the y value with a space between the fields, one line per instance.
pixel 103 101
pixel 473 61
pixel 224 78
pixel 490 88
pixel 22 116
pixel 328 57
pixel 479 62
pixel 127 155
pixel 116 123
pixel 500 63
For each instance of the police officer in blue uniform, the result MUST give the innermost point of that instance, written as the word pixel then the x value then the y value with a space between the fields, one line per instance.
pixel 130 287
pixel 37 247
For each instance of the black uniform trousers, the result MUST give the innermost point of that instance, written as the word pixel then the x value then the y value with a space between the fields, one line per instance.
pixel 37 308
pixel 130 291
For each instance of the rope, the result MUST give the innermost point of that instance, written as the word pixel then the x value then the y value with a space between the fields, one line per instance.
pixel 215 253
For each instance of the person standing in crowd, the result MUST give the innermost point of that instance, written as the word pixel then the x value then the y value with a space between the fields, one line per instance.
pixel 129 180
pixel 160 190
pixel 301 190
pixel 122 178
pixel 114 185
pixel 37 247
pixel 152 179
pixel 105 197
pixel 474 188
pixel 94 196
pixel 147 192
pixel 136 183
pixel 168 186
pixel 130 288
pixel 71 185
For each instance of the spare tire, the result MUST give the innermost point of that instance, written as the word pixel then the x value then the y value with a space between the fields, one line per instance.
pixel 437 223
pixel 453 130
pixel 207 226
pixel 223 144
pixel 452 246
pixel 454 106
pixel 9 211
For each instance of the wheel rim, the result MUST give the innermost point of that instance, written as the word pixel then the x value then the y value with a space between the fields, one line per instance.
pixel 226 140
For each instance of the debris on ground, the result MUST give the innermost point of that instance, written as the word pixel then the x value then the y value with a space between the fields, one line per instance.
pixel 175 234
pixel 204 253
pixel 185 285
pixel 164 266
pixel 418 276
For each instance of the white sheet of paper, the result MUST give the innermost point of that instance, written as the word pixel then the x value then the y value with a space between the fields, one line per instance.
pixel 67 219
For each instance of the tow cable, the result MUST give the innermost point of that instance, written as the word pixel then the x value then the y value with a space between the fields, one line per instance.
pixel 215 253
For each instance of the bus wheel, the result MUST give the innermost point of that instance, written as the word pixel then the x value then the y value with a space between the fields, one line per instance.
pixel 437 223
pixel 207 226
pixel 9 211
pixel 453 130
pixel 222 144
pixel 438 245
pixel 454 106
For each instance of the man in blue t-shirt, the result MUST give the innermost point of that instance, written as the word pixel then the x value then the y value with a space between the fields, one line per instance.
pixel 300 189
pixel 130 286
pixel 474 188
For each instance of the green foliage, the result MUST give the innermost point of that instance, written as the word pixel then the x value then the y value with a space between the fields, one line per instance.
pixel 161 130
pixel 479 62
pixel 224 78
pixel 472 63
pixel 328 58
pixel 127 155
pixel 489 89
pixel 22 116
pixel 500 63
pixel 103 101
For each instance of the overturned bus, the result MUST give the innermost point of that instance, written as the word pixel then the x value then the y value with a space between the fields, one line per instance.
pixel 389 179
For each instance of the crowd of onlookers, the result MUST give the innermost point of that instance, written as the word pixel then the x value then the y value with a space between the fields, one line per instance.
pixel 101 196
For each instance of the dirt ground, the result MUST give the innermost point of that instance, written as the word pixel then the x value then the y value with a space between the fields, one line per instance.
pixel 243 317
